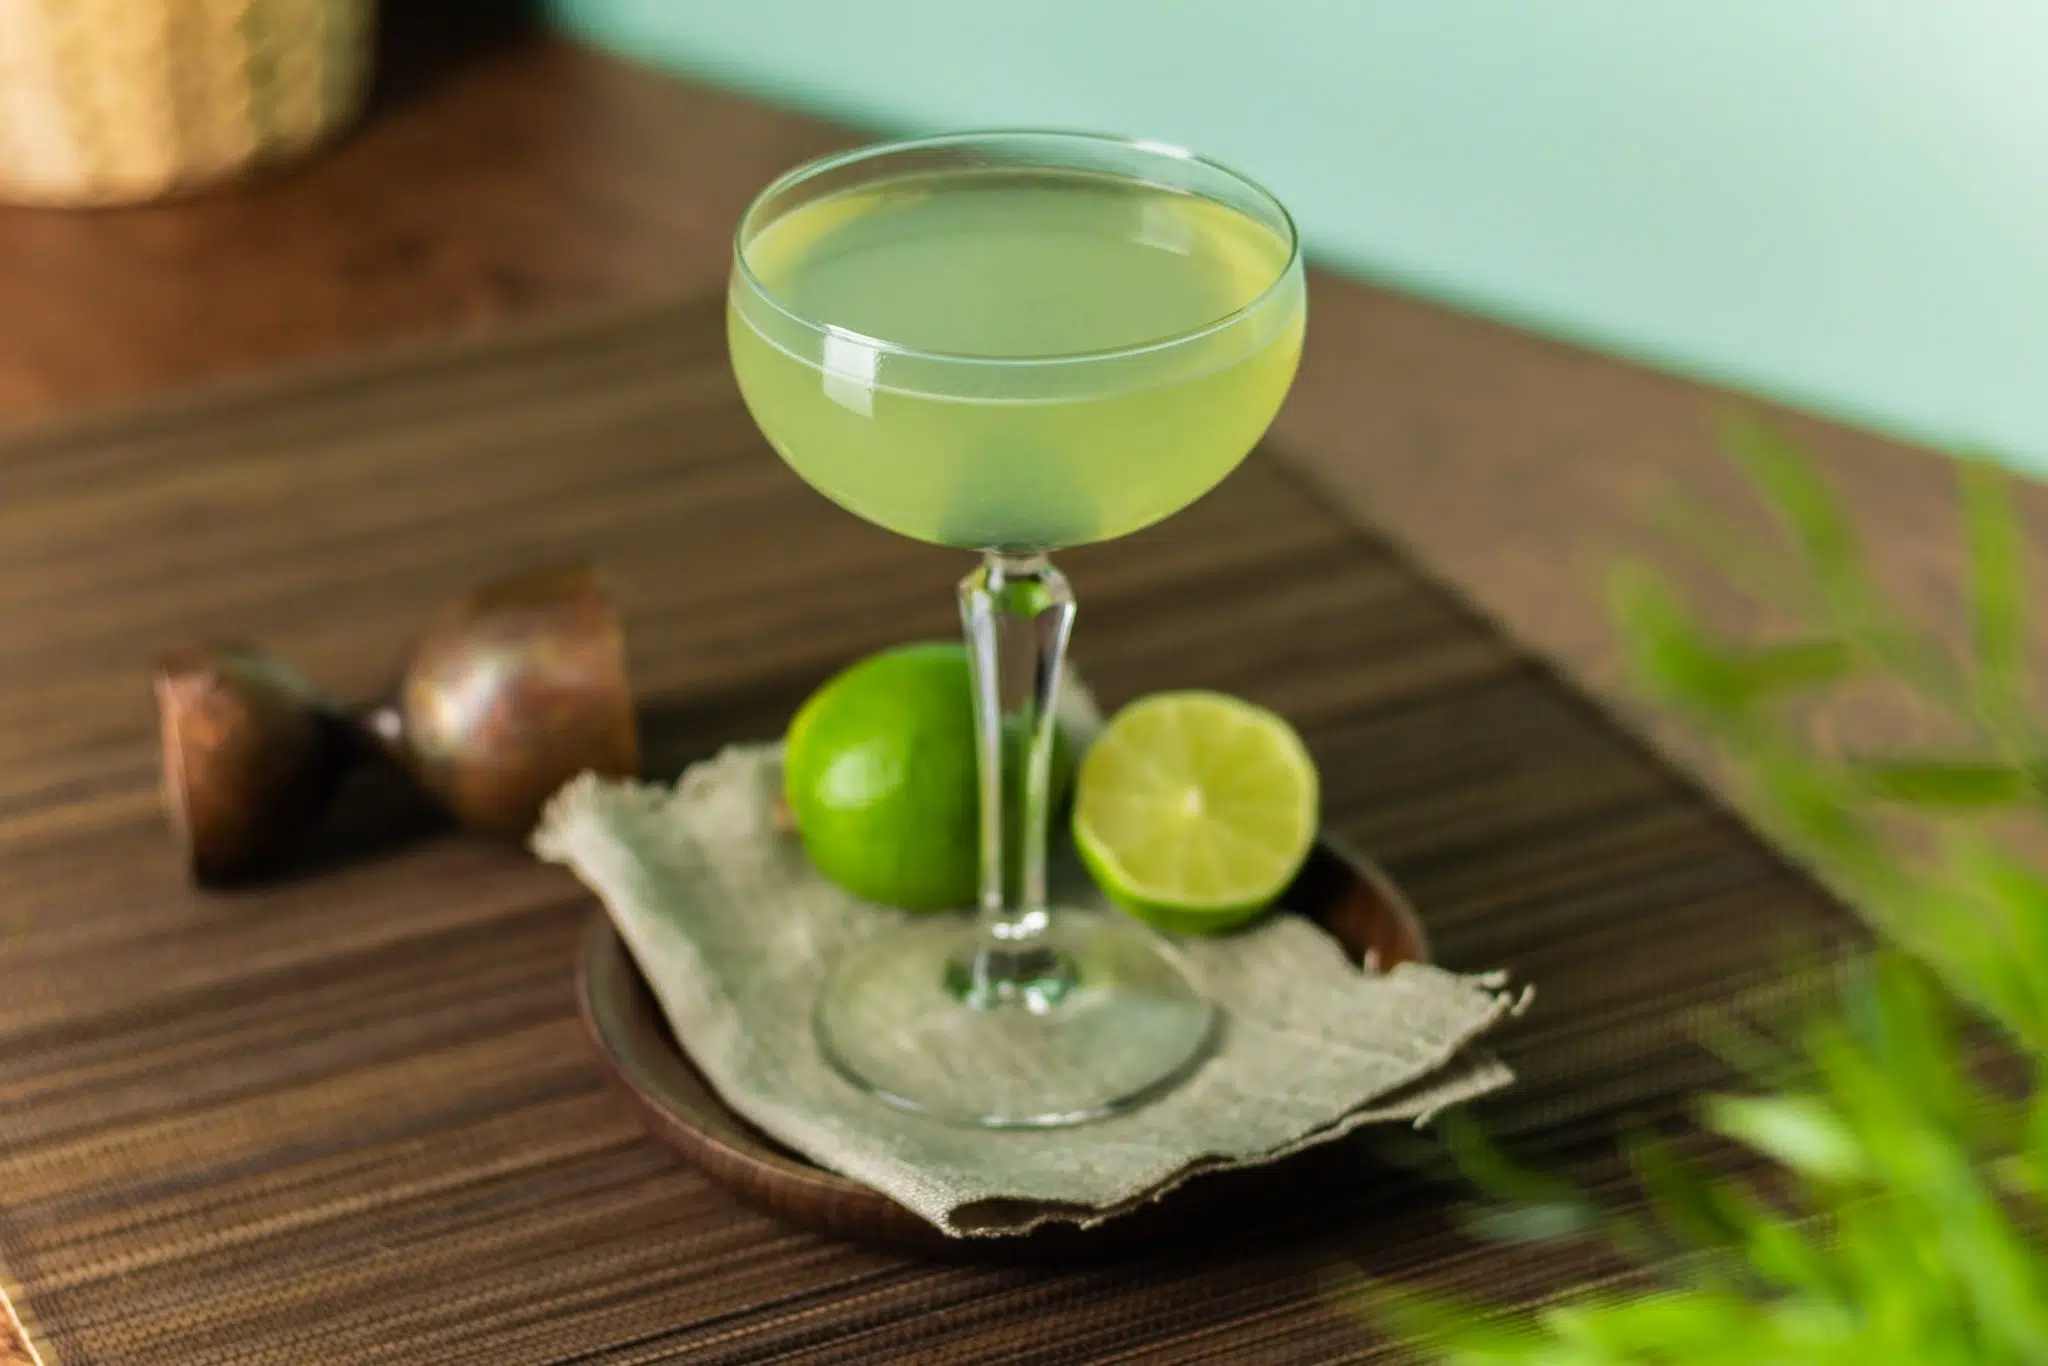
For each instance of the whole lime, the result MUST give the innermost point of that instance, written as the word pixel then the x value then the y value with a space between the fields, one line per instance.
pixel 878 770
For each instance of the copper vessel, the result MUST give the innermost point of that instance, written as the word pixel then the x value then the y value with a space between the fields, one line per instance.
pixel 516 688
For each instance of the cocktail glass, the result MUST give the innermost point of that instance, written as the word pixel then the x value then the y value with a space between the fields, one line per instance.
pixel 1012 343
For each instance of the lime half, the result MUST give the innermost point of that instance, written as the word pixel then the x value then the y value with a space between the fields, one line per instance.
pixel 1194 810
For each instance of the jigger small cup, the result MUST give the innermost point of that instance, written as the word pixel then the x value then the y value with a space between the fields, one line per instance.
pixel 518 686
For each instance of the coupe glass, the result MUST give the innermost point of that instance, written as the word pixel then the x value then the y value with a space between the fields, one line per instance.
pixel 1010 343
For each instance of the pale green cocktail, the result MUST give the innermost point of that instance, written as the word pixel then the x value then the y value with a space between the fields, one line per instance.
pixel 1015 265
pixel 1014 343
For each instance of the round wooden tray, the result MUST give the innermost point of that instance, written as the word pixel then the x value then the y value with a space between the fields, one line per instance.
pixel 1343 892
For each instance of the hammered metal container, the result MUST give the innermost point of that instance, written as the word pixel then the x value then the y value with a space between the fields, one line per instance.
pixel 107 102
pixel 516 688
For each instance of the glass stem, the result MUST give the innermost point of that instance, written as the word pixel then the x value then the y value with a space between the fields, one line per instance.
pixel 1018 612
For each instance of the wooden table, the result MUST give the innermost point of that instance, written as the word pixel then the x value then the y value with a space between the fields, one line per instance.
pixel 524 178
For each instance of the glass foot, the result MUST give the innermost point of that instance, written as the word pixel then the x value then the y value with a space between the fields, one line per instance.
pixel 1093 1015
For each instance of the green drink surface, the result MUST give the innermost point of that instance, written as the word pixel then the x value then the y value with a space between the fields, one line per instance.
pixel 1016 360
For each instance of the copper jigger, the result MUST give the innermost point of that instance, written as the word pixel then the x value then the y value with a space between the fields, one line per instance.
pixel 518 687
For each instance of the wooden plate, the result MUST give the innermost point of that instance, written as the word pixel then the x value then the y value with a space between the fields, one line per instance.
pixel 1343 892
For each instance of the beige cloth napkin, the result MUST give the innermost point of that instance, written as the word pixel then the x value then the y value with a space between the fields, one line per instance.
pixel 734 932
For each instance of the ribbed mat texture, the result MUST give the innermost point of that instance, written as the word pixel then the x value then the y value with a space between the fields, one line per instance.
pixel 350 1116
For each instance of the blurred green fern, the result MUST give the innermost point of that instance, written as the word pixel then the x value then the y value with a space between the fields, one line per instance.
pixel 1903 1215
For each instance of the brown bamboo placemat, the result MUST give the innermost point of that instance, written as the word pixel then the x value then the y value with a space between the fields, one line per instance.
pixel 350 1117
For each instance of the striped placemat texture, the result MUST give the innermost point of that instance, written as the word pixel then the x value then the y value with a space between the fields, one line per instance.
pixel 350 1116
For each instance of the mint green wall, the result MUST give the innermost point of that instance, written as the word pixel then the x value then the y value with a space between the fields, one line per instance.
pixel 1839 202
